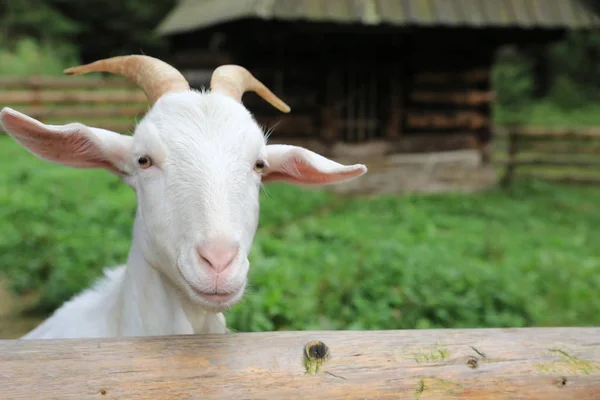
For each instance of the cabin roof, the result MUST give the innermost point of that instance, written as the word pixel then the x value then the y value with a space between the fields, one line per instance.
pixel 191 15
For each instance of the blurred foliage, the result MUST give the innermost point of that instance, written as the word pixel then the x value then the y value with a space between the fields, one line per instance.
pixel 573 81
pixel 567 94
pixel 575 68
pixel 513 82
pixel 28 57
pixel 96 28
pixel 527 257
pixel 117 27
pixel 39 19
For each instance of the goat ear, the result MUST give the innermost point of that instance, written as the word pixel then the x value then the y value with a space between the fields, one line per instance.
pixel 74 145
pixel 301 166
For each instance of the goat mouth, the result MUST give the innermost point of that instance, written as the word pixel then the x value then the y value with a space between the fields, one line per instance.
pixel 215 297
pixel 214 300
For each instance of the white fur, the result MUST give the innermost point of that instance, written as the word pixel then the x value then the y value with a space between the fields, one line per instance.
pixel 203 190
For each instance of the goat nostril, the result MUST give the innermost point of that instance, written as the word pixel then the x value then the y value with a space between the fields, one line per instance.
pixel 206 260
pixel 218 255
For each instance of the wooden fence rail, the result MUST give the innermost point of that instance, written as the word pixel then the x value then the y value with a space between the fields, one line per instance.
pixel 526 363
pixel 111 103
pixel 566 155
pixel 114 103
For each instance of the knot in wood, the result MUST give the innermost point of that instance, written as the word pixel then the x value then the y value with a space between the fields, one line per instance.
pixel 316 350
pixel 472 362
pixel 315 354
pixel 562 382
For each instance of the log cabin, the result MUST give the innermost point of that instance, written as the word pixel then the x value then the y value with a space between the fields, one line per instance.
pixel 403 86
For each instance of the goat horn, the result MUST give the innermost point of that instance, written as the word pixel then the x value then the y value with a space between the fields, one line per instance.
pixel 153 76
pixel 234 81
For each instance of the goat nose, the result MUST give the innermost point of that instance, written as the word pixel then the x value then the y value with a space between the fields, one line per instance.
pixel 218 255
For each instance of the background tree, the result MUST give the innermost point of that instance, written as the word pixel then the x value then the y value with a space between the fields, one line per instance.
pixel 116 27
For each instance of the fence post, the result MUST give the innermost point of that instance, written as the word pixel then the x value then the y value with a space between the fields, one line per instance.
pixel 512 151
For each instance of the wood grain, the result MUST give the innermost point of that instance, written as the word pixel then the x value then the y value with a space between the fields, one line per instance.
pixel 38 97
pixel 472 97
pixel 529 363
pixel 74 113
pixel 65 82
pixel 554 148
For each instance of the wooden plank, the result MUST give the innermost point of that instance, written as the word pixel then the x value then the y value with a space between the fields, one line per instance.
pixel 546 162
pixel 64 82
pixel 527 363
pixel 446 120
pixel 120 127
pixel 28 96
pixel 471 98
pixel 422 143
pixel 541 132
pixel 558 147
pixel 513 149
pixel 471 76
pixel 83 112
pixel 564 178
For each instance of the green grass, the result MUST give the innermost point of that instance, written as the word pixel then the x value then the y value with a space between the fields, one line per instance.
pixel 527 257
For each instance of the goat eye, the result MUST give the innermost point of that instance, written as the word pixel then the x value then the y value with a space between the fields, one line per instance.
pixel 145 162
pixel 259 166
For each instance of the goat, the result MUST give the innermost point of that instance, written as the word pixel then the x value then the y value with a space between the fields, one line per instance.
pixel 196 163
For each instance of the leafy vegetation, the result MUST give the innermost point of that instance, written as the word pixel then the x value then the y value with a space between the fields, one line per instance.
pixel 28 57
pixel 94 28
pixel 527 257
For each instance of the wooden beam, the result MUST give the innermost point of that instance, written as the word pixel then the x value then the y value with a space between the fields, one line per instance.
pixel 445 120
pixel 564 178
pixel 512 151
pixel 124 127
pixel 528 363
pixel 553 133
pixel 37 97
pixel 470 76
pixel 547 162
pixel 70 112
pixel 558 147
pixel 471 98
pixel 547 132
pixel 65 82
pixel 421 143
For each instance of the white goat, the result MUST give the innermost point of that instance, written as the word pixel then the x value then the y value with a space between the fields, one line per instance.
pixel 196 162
